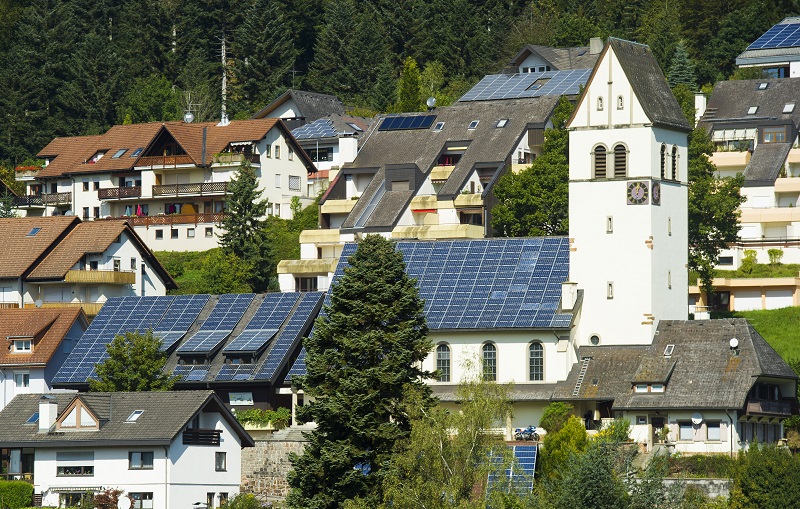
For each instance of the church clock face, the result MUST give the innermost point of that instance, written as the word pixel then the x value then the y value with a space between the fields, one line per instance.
pixel 637 193
pixel 656 192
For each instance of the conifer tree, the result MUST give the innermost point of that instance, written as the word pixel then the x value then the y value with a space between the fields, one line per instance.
pixel 362 366
pixel 409 97
pixel 384 91
pixel 331 71
pixel 681 70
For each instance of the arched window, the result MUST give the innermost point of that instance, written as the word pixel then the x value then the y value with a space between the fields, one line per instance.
pixel 674 162
pixel 663 161
pixel 443 362
pixel 620 103
pixel 599 104
pixel 536 357
pixel 490 362
pixel 599 162
pixel 620 161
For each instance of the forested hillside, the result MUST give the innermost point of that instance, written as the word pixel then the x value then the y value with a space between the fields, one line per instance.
pixel 76 67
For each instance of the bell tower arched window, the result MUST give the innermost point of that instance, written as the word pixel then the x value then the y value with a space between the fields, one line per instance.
pixel 674 162
pixel 663 161
pixel 600 158
pixel 620 161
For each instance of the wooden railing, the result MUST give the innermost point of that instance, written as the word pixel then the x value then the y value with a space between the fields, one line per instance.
pixel 90 308
pixel 43 199
pixel 191 189
pixel 165 160
pixel 115 277
pixel 160 220
pixel 769 407
pixel 27 477
pixel 9 305
pixel 226 159
pixel 116 193
pixel 201 437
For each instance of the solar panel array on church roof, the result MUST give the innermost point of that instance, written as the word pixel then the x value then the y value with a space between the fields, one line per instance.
pixel 516 86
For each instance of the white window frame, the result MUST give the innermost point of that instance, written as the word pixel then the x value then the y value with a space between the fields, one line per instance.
pixel 23 346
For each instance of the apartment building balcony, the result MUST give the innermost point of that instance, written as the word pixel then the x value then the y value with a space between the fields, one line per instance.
pixel 90 308
pixel 730 159
pixel 26 172
pixel 441 173
pixel 204 189
pixel 794 156
pixel 9 305
pixel 330 236
pixel 788 185
pixel 337 206
pixel 469 200
pixel 114 277
pixel 201 437
pixel 770 215
pixel 42 200
pixel 231 159
pixel 439 231
pixel 152 162
pixel 310 267
pixel 119 193
pixel 161 220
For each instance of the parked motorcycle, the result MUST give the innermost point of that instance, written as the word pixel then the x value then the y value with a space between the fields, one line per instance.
pixel 526 434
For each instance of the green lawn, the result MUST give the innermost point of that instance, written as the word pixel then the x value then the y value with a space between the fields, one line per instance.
pixel 780 327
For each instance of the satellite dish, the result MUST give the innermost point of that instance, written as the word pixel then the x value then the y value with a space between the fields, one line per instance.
pixel 431 102
pixel 69 213
pixel 188 117
pixel 734 343
pixel 697 418
pixel 38 303
pixel 124 502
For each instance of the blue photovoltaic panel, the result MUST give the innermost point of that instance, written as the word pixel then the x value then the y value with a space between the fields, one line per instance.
pixel 782 35
pixel 219 324
pixel 405 122
pixel 169 339
pixel 196 375
pixel 269 317
pixel 487 283
pixel 250 341
pixel 235 372
pixel 518 477
pixel 320 128
pixel 290 334
pixel 299 366
pixel 204 341
pixel 516 86
pixel 182 313
pixel 117 316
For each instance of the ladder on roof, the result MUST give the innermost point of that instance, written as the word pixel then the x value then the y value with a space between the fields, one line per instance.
pixel 582 374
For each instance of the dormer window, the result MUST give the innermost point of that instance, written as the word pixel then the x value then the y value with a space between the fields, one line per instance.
pixel 77 417
pixel 472 125
pixel 23 346
pixel 752 110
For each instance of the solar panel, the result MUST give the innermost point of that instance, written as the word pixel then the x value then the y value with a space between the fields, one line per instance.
pixel 230 372
pixel 269 317
pixel 250 341
pixel 487 283
pixel 785 34
pixel 320 128
pixel 290 335
pixel 196 375
pixel 219 324
pixel 406 122
pixel 516 86
pixel 519 475
pixel 204 341
pixel 299 366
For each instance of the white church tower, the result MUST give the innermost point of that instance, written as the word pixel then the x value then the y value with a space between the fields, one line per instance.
pixel 628 223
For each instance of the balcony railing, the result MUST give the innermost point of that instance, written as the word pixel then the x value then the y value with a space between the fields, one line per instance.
pixel 160 220
pixel 207 188
pixel 769 407
pixel 164 161
pixel 43 199
pixel 9 305
pixel 27 477
pixel 201 437
pixel 117 193
pixel 90 308
pixel 114 277
pixel 231 159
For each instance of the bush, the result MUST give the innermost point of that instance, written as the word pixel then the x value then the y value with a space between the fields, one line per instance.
pixel 16 494
pixel 749 261
pixel 701 465
pixel 555 416
pixel 245 501
pixel 775 256
pixel 618 430
pixel 280 418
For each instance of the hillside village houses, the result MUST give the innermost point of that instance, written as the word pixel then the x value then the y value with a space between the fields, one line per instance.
pixel 168 180
pixel 62 261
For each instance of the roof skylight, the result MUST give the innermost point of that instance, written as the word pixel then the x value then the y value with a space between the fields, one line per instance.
pixel 473 124
pixel 33 418
pixel 668 350
pixel 33 231
pixel 134 416
pixel 788 107
pixel 762 86
pixel 438 126
pixel 137 152
pixel 752 110
pixel 502 122
pixel 119 153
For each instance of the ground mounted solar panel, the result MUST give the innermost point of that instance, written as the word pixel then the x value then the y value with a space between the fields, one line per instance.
pixel 518 477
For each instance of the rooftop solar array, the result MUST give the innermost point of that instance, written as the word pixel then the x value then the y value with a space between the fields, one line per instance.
pixel 219 324
pixel 517 86
pixel 403 122
pixel 299 366
pixel 320 128
pixel 487 283
pixel 269 317
pixel 520 474
pixel 230 372
pixel 785 34
pixel 290 334
pixel 191 373
pixel 117 316
pixel 179 318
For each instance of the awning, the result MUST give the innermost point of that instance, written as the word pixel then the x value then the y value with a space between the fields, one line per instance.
pixel 423 211
pixel 75 489
pixel 471 211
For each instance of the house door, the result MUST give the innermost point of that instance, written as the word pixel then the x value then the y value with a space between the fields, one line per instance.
pixel 656 424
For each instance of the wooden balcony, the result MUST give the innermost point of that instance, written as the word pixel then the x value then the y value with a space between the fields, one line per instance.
pixel 235 159
pixel 90 308
pixel 201 437
pixel 9 305
pixel 761 407
pixel 205 189
pixel 113 277
pixel 161 220
pixel 26 476
pixel 118 193
pixel 43 199
pixel 164 161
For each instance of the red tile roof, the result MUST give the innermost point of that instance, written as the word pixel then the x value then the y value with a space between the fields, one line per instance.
pixel 88 237
pixel 47 327
pixel 20 250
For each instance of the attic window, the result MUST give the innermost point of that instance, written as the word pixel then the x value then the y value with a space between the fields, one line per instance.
pixel 119 153
pixel 752 110
pixel 33 418
pixel 762 86
pixel 473 124
pixel 788 107
pixel 137 152
pixel 33 232
pixel 134 416
pixel 668 350
pixel 354 127
pixel 502 122
pixel 438 126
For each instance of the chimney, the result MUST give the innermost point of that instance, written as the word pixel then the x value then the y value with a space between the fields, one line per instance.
pixel 48 411
pixel 569 292
pixel 700 103
pixel 595 45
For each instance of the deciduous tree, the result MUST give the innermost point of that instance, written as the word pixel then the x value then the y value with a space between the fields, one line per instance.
pixel 362 365
pixel 135 362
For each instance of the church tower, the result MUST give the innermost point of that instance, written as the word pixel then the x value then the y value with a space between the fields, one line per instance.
pixel 628 220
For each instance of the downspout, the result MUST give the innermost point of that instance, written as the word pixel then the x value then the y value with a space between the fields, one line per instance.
pixel 730 432
pixel 166 473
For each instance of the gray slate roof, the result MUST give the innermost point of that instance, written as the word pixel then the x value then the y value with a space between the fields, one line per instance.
pixel 165 416
pixel 560 58
pixel 421 148
pixel 705 374
pixel 520 392
pixel 766 163
pixel 311 105
pixel 648 84
pixel 731 100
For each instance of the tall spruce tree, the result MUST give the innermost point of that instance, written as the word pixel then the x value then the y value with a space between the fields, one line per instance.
pixel 681 70
pixel 244 227
pixel 409 96
pixel 332 69
pixel 362 366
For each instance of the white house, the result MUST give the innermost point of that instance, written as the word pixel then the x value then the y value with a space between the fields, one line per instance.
pixel 62 261
pixel 37 342
pixel 776 52
pixel 162 449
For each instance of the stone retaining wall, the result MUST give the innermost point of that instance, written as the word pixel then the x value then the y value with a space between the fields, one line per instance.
pixel 265 466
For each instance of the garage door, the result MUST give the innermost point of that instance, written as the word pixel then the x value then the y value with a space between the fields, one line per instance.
pixel 747 300
pixel 779 298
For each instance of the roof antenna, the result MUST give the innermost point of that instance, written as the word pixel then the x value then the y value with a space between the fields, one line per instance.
pixel 224 117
